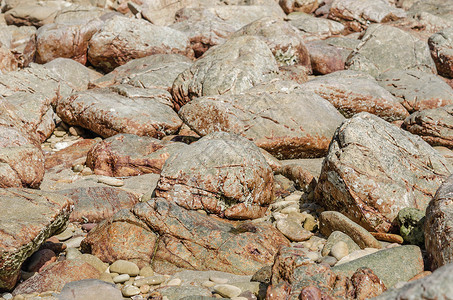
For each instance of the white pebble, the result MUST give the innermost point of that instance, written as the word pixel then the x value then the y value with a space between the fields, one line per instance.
pixel 130 290
pixel 227 290
pixel 219 280
pixel 121 278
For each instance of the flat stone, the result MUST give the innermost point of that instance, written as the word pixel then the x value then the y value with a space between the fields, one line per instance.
pixel 146 271
pixel 130 290
pixel 89 289
pixel 293 231
pixel 65 235
pixel 339 250
pixel 121 278
pixel 110 181
pixel 335 237
pixel 388 237
pixel 153 280
pixel 219 280
pixel 227 290
pixel 125 267
pixel 74 242
pixel 174 282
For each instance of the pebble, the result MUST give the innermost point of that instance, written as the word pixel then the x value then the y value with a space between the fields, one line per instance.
pixel 227 290
pixel 388 237
pixel 339 250
pixel 74 242
pixel 112 181
pixel 72 253
pixel 208 284
pixel 94 261
pixel 88 226
pixel 290 209
pixel 146 271
pixel 59 133
pixel 130 290
pixel 106 277
pixel 77 168
pixel 218 280
pixel 7 296
pixel 293 231
pixel 62 145
pixel 356 254
pixel 125 267
pixel 329 260
pixel 310 223
pixel 65 235
pixel 76 131
pixel 293 197
pixel 174 282
pixel 86 171
pixel 121 278
pixel 153 280
pixel 145 289
pixel 313 255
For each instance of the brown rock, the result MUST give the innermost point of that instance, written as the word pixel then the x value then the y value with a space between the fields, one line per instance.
pixel 39 259
pixel 33 13
pixel 306 6
pixel 387 237
pixel 66 157
pixel 7 60
pixel 22 43
pixel 367 284
pixel 441 45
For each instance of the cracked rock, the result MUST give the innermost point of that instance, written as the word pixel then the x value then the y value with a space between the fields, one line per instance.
pixel 441 46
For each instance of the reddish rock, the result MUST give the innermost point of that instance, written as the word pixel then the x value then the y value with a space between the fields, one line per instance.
pixel 441 45
pixel 325 58
pixel 66 157
pixel 367 284
pixel 306 6
pixel 39 259
pixel 7 60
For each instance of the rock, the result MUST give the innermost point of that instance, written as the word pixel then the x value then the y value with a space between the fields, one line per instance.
pixel 358 14
pixel 74 242
pixel 390 265
pixel 89 289
pixel 98 203
pixel 367 284
pixel 94 261
pixel 32 217
pixel 148 39
pixel 154 71
pixel 267 115
pixel 388 237
pixel 306 6
pixel 356 255
pixel 130 290
pixel 392 169
pixel 330 221
pixel 437 222
pixel 194 241
pixel 336 237
pixel 64 158
pixel 110 181
pixel 339 250
pixel 283 39
pixel 237 65
pixel 121 278
pixel 353 92
pixel 65 235
pixel 185 292
pixel 22 44
pixel 417 90
pixel 146 271
pixel 108 113
pixel 124 267
pixel 312 28
pixel 222 173
pixel 227 290
pixel 433 125
pixel 54 277
pixel 441 44
pixel 384 47
pixel 126 155
pixel 8 62
pixel 411 222
pixel 33 13
pixel 293 231
pixel 152 280
pixel 436 285
pixel 39 259
pixel 162 12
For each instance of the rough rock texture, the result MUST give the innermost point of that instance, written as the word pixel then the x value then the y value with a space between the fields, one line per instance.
pixel 108 112
pixel 441 46
pixel 436 286
pixel 32 217
pixel 33 13
pixel 123 39
pixel 433 125
pixel 154 71
pixel 64 158
pixel 54 277
pixel 162 12
pixel 23 44
pixel 233 67
pixel 384 47
pixel 417 90
pixel 411 222
pixel 279 117
pixel 374 169
pixel 196 241
pixel 312 28
pixel 94 204
pixel 306 6
pixel 89 289
pixel 7 60
pixel 283 39
pixel 222 173
pixel 130 155
pixel 353 92
pixel 357 14
pixel 438 221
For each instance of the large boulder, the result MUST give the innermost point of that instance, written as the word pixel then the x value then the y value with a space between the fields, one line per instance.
pixel 222 173
pixel 279 117
pixel 433 125
pixel 312 28
pixel 384 47
pixel 30 13
pixel 31 217
pixel 123 39
pixel 441 46
pixel 121 109
pixel 233 67
pixel 21 41
pixel 125 155
pixel 353 92
pixel 374 169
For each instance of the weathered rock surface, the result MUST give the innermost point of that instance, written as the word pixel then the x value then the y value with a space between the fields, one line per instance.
pixel 125 155
pixel 312 28
pixel 222 173
pixel 64 158
pixel 433 125
pixel 34 13
pixel 306 6
pixel 384 47
pixel 357 14
pixel 22 43
pixel 374 169
pixel 108 112
pixel 123 39
pixel 29 218
pixel 89 289
pixel 417 90
pixel 353 92
pixel 233 67
pixel 8 62
pixel 441 46
pixel 411 222
pixel 279 117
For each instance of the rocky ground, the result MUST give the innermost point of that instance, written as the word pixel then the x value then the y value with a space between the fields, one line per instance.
pixel 243 149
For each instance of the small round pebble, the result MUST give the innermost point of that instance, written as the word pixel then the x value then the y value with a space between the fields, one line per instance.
pixel 339 250
pixel 219 280
pixel 174 282
pixel 86 171
pixel 130 290
pixel 65 235
pixel 227 290
pixel 125 267
pixel 77 168
pixel 121 278
pixel 145 289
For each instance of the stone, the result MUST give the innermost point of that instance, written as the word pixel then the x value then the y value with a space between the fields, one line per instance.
pixel 108 113
pixel 227 290
pixel 64 158
pixel 293 230
pixel 440 45
pixel 124 267
pixel 222 70
pixel 148 39
pixel 174 282
pixel 162 12
pixel 124 155
pixel 353 92
pixel 89 289
pixel 111 181
pixel 33 13
pixel 194 241
pixel 411 223
pixel 339 250
pixel 358 14
pixel 152 280
pixel 384 47
pixel 121 278
pixel 312 28
pixel 39 259
pixel 390 265
pixel 392 169
pixel 330 221
pixel 8 62
pixel 356 255
pixel 146 271
pixel 388 237
pixel 54 277
pixel 334 238
pixel 65 235
pixel 185 292
pixel 222 173
pixel 417 90
pixel 98 203
pixel 306 6
pixel 32 217
pixel 74 242
pixel 94 261
pixel 130 290
pixel 267 115
pixel 367 284
pixel 433 125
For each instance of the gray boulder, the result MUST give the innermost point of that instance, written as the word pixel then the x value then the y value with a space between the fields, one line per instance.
pixel 441 46
pixel 374 169
pixel 89 289
pixel 312 28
